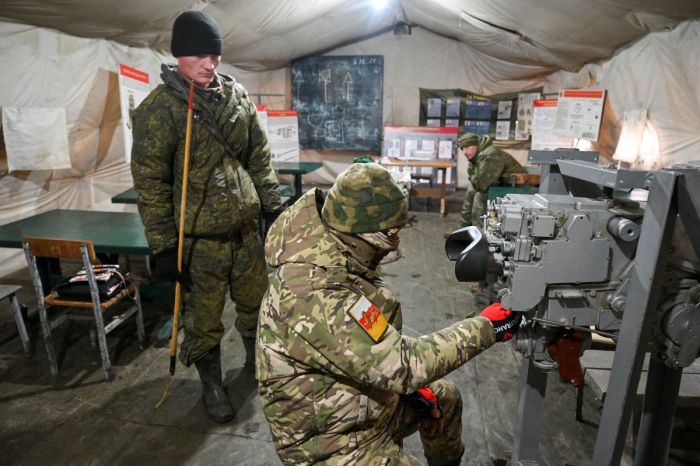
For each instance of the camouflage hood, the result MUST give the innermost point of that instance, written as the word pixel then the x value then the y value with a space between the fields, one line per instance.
pixel 300 236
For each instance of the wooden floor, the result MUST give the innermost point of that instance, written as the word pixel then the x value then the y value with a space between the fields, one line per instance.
pixel 78 418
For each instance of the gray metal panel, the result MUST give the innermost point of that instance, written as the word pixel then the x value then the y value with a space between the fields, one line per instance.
pixel 642 300
pixel 550 157
pixel 604 176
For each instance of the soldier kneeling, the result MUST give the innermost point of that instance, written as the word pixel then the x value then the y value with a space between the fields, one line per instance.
pixel 339 382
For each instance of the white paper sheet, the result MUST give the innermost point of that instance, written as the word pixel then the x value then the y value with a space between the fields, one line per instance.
pixel 36 138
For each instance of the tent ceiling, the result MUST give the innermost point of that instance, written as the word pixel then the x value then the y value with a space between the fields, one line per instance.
pixel 266 34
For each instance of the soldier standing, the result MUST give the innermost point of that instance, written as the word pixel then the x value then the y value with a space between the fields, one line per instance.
pixel 488 166
pixel 338 381
pixel 230 180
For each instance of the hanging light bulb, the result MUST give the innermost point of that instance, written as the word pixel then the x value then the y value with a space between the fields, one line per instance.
pixel 379 4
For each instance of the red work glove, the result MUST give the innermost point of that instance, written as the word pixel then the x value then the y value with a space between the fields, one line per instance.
pixel 505 322
pixel 426 404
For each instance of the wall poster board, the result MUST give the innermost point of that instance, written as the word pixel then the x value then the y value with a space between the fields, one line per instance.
pixel 422 143
pixel 579 113
pixel 339 101
pixel 543 120
pixel 134 86
pixel 506 117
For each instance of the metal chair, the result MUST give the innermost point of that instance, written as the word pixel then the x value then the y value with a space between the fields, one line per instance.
pixel 84 251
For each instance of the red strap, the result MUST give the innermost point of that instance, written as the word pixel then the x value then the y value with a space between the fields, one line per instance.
pixel 428 394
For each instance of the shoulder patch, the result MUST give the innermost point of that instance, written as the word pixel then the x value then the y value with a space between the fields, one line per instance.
pixel 369 317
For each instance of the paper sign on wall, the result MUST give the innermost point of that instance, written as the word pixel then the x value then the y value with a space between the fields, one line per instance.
pixel 133 88
pixel 579 113
pixel 283 135
pixel 544 115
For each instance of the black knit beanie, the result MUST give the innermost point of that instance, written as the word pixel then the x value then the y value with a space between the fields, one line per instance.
pixel 195 33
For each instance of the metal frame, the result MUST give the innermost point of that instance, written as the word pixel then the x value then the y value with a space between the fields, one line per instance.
pixel 670 192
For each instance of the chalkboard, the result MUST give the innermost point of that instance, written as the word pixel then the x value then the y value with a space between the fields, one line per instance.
pixel 339 101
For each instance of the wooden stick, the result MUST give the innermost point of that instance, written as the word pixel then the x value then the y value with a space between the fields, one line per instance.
pixel 181 231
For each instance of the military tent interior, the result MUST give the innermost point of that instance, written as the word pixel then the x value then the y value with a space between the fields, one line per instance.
pixel 65 55
pixel 60 60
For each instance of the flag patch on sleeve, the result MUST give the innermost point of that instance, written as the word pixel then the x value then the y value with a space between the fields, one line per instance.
pixel 369 317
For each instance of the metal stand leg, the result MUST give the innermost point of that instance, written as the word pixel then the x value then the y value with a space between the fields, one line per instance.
pixel 102 342
pixel 658 412
pixel 21 328
pixel 48 341
pixel 526 438
pixel 642 299
pixel 139 318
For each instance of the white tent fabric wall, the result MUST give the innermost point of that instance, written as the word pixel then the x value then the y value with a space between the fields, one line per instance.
pixel 43 67
pixel 659 74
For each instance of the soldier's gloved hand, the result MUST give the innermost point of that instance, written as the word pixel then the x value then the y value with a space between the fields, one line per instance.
pixel 505 322
pixel 426 404
pixel 166 269
pixel 269 218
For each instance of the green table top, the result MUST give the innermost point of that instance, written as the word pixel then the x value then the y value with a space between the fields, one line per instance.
pixel 296 168
pixel 500 191
pixel 283 168
pixel 111 232
pixel 127 197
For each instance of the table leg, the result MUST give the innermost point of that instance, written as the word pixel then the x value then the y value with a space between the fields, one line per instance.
pixel 442 193
pixel 297 187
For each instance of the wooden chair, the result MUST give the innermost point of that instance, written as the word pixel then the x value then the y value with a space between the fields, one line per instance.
pixel 79 310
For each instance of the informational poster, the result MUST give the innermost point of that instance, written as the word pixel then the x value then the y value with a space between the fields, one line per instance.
pixel 434 108
pixel 503 130
pixel 262 116
pixel 481 128
pixel 393 148
pixel 477 109
pixel 504 109
pixel 409 145
pixel 524 122
pixel 434 122
pixel 445 149
pixel 428 145
pixel 283 135
pixel 452 122
pixel 134 86
pixel 579 113
pixel 452 107
pixel 544 113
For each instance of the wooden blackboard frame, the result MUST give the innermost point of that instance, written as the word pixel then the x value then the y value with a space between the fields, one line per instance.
pixel 339 99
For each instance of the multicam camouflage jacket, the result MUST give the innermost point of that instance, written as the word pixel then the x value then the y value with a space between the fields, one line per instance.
pixel 328 389
pixel 224 190
pixel 491 166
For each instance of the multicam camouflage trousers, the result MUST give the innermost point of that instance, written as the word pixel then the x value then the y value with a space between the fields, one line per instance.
pixel 473 208
pixel 217 266
pixel 447 447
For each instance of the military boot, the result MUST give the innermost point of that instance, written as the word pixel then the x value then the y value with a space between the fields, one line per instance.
pixel 214 395
pixel 249 345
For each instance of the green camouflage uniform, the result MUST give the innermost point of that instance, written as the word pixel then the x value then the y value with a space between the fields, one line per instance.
pixel 222 249
pixel 330 393
pixel 491 166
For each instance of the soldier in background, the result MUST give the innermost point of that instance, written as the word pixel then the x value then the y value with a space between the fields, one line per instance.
pixel 488 166
pixel 338 381
pixel 230 180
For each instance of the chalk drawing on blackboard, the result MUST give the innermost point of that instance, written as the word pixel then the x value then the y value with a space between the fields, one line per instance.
pixel 347 83
pixel 325 77
pixel 297 80
pixel 339 101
